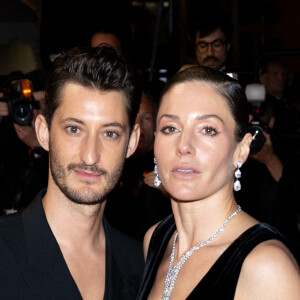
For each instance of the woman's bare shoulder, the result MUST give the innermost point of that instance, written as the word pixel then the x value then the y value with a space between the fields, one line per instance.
pixel 269 272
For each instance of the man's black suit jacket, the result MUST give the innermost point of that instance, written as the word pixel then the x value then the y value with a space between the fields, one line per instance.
pixel 32 265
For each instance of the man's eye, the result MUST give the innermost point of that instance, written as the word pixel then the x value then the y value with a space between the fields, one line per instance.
pixel 111 134
pixel 73 129
pixel 217 43
pixel 168 130
pixel 148 118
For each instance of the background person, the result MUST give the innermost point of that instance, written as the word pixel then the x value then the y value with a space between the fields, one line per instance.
pixel 211 38
pixel 209 248
pixel 61 245
pixel 107 35
pixel 270 190
pixel 145 204
pixel 23 162
pixel 273 74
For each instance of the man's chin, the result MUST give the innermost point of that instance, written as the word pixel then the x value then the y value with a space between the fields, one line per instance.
pixel 85 196
pixel 212 65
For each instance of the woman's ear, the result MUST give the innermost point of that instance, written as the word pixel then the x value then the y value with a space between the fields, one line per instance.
pixel 42 131
pixel 133 140
pixel 243 149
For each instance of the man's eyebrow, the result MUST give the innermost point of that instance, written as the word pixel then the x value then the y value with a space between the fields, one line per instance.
pixel 72 120
pixel 111 124
pixel 115 124
pixel 215 40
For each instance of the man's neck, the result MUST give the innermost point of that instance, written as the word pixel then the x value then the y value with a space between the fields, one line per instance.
pixel 73 223
pixel 80 235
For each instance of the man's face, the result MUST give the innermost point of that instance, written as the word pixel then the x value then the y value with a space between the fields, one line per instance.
pixel 275 79
pixel 146 120
pixel 40 98
pixel 107 38
pixel 88 143
pixel 215 56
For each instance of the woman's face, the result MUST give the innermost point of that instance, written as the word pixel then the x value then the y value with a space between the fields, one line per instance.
pixel 195 145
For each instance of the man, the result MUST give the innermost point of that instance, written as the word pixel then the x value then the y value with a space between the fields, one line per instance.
pixel 23 163
pixel 212 38
pixel 146 118
pixel 61 246
pixel 145 205
pixel 108 36
pixel 273 74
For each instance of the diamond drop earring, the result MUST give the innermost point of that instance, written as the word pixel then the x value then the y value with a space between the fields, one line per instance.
pixel 237 174
pixel 157 181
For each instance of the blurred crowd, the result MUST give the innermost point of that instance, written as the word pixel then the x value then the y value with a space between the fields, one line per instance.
pixel 270 178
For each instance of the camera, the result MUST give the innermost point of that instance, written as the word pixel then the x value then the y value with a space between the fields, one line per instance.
pixel 255 94
pixel 20 101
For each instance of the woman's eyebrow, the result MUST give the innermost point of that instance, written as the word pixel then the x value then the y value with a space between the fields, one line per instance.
pixel 173 117
pixel 200 117
pixel 204 117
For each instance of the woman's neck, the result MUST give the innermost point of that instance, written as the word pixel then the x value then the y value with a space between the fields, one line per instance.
pixel 196 221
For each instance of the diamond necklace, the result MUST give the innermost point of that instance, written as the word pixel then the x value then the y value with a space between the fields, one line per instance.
pixel 173 271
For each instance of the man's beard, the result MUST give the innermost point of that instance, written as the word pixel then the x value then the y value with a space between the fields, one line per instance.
pixel 211 58
pixel 87 197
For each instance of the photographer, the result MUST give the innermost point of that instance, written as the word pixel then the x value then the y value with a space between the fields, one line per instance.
pixel 274 75
pixel 270 182
pixel 23 163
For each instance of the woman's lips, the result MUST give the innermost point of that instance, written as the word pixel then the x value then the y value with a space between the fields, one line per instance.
pixel 185 171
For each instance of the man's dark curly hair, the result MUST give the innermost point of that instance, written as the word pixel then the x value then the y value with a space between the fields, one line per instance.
pixel 100 68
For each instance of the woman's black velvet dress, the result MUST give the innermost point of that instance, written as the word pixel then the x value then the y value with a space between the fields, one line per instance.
pixel 221 280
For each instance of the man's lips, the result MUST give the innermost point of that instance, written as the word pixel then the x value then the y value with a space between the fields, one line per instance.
pixel 210 60
pixel 86 174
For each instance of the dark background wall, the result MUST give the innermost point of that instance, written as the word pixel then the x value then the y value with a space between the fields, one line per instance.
pixel 49 26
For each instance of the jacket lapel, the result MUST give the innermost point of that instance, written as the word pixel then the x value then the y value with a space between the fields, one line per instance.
pixel 49 268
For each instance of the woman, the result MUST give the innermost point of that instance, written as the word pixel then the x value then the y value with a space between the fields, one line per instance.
pixel 209 248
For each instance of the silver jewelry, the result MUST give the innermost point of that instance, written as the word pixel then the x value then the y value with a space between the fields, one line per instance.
pixel 237 184
pixel 157 181
pixel 173 271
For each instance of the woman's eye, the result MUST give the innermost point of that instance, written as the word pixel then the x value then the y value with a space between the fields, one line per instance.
pixel 168 130
pixel 73 129
pixel 209 131
pixel 111 134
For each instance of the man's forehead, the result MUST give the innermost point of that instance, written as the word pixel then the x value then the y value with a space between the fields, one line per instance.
pixel 276 66
pixel 76 98
pixel 217 34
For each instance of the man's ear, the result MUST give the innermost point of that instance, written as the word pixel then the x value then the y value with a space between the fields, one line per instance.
pixel 133 140
pixel 228 47
pixel 271 122
pixel 263 78
pixel 242 149
pixel 42 132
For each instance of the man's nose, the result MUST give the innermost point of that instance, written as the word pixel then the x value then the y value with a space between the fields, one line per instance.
pixel 210 49
pixel 90 150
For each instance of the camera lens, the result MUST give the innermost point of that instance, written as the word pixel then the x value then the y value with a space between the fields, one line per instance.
pixel 22 114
